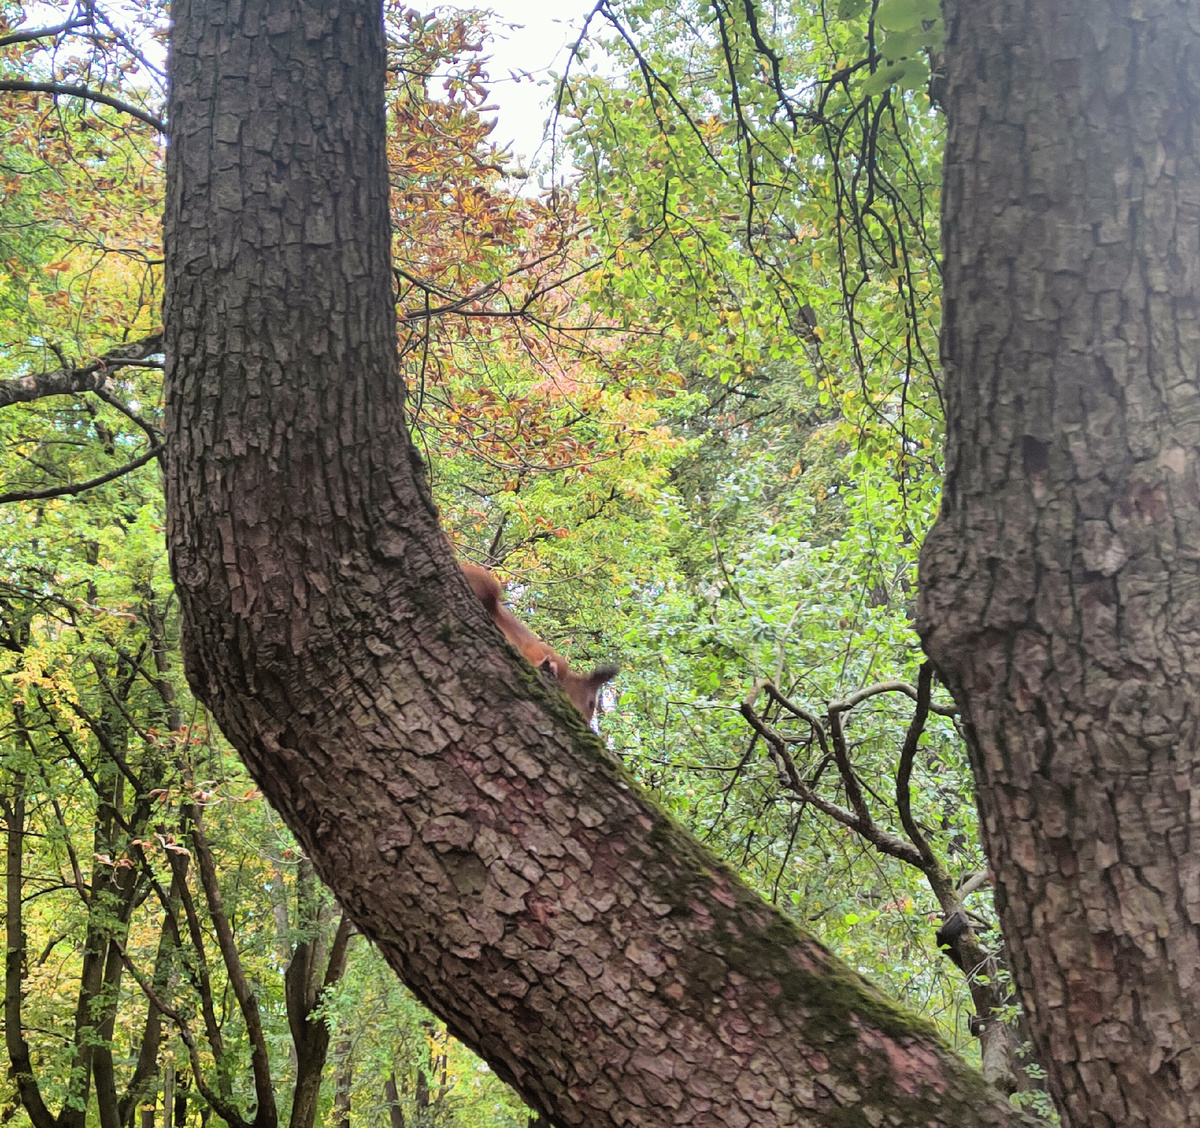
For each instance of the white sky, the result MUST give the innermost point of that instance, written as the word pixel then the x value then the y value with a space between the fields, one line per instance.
pixel 529 37
pixel 536 45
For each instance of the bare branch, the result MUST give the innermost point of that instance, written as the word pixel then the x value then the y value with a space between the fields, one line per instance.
pixel 71 90
pixel 44 32
pixel 80 487
pixel 973 884
pixel 801 712
pixel 884 841
pixel 861 695
pixel 933 868
pixel 841 757
pixel 152 432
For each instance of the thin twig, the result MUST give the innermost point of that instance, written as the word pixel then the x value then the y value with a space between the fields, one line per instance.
pixel 80 487
pixel 904 771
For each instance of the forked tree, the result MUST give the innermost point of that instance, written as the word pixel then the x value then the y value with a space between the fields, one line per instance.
pixel 471 825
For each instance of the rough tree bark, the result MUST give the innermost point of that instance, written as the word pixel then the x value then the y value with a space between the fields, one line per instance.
pixel 1061 585
pixel 469 823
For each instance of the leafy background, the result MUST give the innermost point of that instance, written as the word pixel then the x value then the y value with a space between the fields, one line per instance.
pixel 683 397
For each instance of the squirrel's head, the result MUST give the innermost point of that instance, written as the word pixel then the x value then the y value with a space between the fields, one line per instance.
pixel 582 689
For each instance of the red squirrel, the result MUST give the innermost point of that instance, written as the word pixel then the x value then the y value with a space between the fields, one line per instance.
pixel 580 688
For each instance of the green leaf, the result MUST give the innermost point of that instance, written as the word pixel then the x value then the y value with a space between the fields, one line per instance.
pixel 916 75
pixel 901 44
pixel 899 15
pixel 887 75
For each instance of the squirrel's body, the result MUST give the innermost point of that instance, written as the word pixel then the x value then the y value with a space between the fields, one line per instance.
pixel 580 688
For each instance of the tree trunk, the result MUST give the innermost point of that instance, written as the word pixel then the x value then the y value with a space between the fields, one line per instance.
pixel 20 1058
pixel 169 1094
pixel 306 978
pixel 343 1083
pixel 391 1097
pixel 470 824
pixel 1061 584
pixel 180 1104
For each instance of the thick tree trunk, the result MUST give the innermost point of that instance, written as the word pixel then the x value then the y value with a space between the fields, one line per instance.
pixel 1061 585
pixel 470 824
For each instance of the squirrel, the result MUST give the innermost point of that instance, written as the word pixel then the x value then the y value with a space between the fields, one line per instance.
pixel 580 688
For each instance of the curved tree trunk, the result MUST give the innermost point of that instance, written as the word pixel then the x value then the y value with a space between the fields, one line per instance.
pixel 1061 585
pixel 470 824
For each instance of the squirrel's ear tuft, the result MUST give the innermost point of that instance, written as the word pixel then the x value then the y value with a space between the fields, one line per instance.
pixel 602 674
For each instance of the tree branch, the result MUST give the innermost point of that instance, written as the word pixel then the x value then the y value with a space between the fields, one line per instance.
pixel 841 757
pixel 861 695
pixel 80 885
pixel 223 1108
pixel 80 487
pixel 200 978
pixel 67 380
pixel 152 432
pixel 259 1058
pixel 904 775
pixel 71 90
pixel 973 883
pixel 884 841
pixel 339 951
pixel 799 711
pixel 44 32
